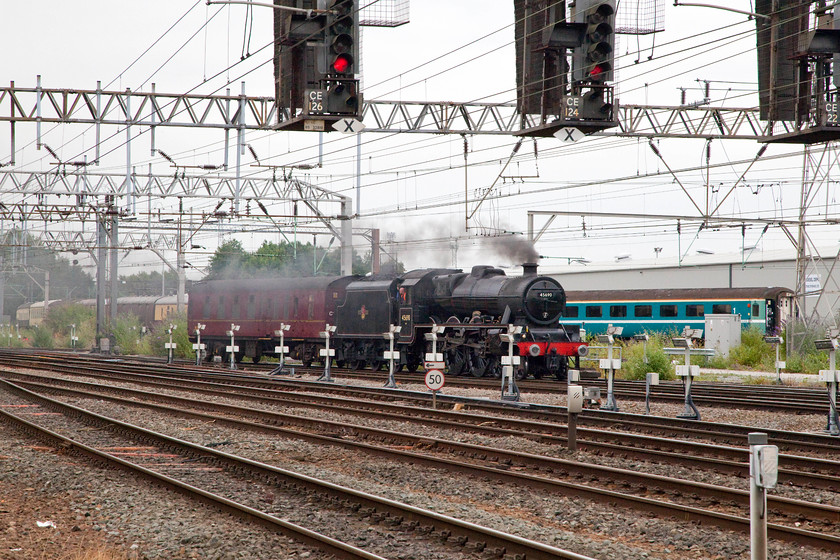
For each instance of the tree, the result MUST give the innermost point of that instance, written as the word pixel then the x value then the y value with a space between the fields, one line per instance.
pixel 283 259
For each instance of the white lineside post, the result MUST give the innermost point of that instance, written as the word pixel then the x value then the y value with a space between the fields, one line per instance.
pixel 391 354
pixel 510 392
pixel 764 471
pixel 73 338
pixel 610 365
pixel 829 376
pixel 434 355
pixel 574 404
pixel 170 346
pixel 198 346
pixel 233 348
pixel 282 349
pixel 651 378
pixel 776 341
pixel 687 371
pixel 327 353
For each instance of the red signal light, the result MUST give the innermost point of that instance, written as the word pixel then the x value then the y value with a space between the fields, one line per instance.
pixel 596 70
pixel 342 63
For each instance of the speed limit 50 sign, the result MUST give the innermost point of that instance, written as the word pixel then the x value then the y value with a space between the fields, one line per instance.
pixel 435 380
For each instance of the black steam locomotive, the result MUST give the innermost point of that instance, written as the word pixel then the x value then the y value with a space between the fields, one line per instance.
pixel 475 307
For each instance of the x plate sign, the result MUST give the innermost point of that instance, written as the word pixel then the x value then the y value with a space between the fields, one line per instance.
pixel 569 134
pixel 348 126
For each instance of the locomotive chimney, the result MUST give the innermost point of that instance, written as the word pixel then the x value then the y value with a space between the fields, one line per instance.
pixel 529 269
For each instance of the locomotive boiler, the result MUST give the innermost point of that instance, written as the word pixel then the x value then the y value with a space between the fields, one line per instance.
pixel 475 306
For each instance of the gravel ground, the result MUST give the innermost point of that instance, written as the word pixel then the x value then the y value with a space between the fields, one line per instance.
pixel 125 513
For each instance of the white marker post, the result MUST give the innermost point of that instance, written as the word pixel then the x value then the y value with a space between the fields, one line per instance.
pixel 198 346
pixel 73 338
pixel 764 473
pixel 688 372
pixel 282 350
pixel 435 381
pixel 574 404
pixel 829 376
pixel 170 346
pixel 510 392
pixel 233 348
pixel 651 378
pixel 391 355
pixel 327 353
pixel 610 365
pixel 434 355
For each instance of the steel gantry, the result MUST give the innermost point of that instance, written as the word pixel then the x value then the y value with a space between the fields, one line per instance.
pixel 156 109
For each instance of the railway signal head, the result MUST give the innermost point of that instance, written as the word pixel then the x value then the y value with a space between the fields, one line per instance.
pixel 593 60
pixel 342 38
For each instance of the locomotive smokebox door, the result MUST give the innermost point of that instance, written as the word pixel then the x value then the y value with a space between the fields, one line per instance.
pixel 406 324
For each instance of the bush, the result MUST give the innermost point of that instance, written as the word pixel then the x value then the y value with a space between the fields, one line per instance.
pixel 41 337
pixel 633 354
pixel 753 351
pixel 180 336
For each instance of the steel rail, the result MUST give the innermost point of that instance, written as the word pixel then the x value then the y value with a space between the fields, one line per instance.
pixel 795 508
pixel 813 472
pixel 476 536
pixel 296 532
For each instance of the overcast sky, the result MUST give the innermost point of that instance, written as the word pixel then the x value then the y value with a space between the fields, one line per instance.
pixel 451 51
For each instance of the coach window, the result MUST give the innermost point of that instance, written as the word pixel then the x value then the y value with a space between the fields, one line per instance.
pixel 311 309
pixel 269 308
pixel 643 311
pixel 295 309
pixel 721 308
pixel 593 310
pixel 206 306
pixel 286 307
pixel 220 311
pixel 571 312
pixel 618 311
pixel 252 307
pixel 667 310
pixel 234 310
pixel 694 310
pixel 756 311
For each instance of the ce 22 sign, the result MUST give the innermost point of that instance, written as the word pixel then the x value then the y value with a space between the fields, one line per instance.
pixel 435 380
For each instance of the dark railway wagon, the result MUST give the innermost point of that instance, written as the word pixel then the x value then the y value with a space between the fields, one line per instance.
pixel 258 307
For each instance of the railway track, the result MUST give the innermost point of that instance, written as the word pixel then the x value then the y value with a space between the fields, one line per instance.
pixel 197 463
pixel 780 398
pixel 607 479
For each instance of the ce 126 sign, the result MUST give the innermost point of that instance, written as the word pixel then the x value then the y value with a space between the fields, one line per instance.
pixel 315 101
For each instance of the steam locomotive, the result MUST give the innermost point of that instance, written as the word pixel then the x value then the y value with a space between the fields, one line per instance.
pixel 476 307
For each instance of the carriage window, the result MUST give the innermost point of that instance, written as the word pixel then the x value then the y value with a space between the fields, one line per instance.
pixel 206 311
pixel 269 308
pixel 618 311
pixel 234 311
pixel 572 312
pixel 286 307
pixel 295 308
pixel 311 310
pixel 667 310
pixel 593 310
pixel 756 310
pixel 721 308
pixel 643 311
pixel 252 307
pixel 220 310
pixel 694 310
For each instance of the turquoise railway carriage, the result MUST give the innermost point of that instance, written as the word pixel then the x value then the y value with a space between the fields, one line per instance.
pixel 669 311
